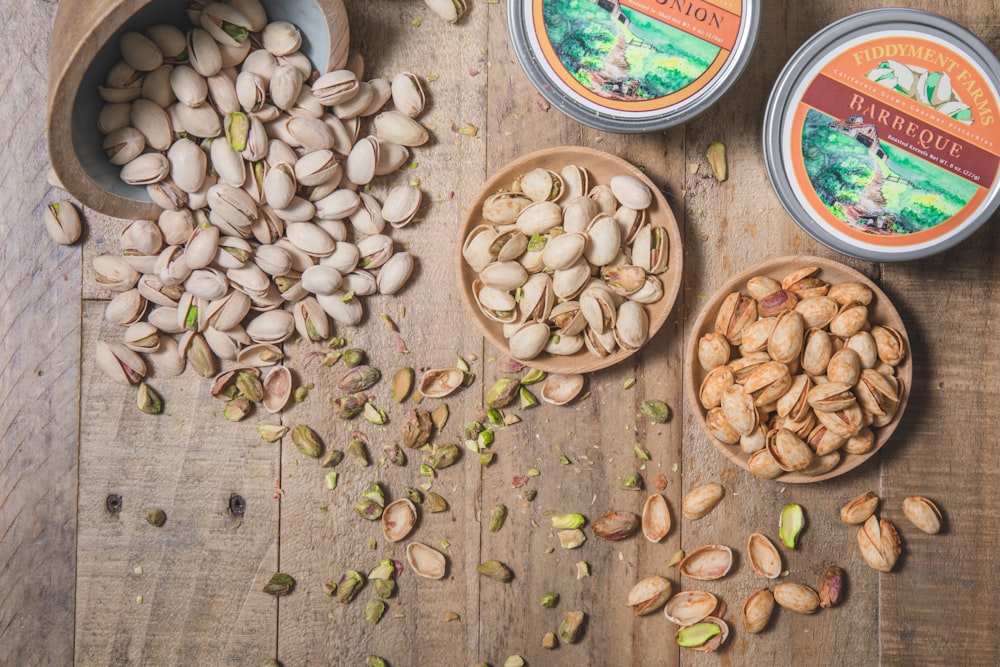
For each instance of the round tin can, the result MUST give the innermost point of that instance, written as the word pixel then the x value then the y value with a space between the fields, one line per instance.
pixel 882 135
pixel 633 66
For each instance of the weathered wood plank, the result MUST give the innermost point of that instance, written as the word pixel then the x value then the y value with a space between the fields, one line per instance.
pixel 730 227
pixel 949 303
pixel 596 434
pixel 39 373
pixel 189 592
pixel 318 546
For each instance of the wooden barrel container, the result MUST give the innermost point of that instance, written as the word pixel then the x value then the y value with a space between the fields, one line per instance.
pixel 84 47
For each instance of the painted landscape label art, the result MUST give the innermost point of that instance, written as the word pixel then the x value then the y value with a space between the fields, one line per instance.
pixel 895 141
pixel 636 54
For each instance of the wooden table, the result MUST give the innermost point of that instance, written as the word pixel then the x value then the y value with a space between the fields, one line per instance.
pixel 81 584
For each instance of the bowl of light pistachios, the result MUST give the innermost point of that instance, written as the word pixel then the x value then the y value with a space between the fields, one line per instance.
pixel 799 369
pixel 120 63
pixel 569 259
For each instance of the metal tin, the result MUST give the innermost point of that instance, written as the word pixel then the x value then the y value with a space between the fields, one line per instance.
pixel 882 135
pixel 633 66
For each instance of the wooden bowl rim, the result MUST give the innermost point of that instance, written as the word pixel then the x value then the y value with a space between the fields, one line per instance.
pixel 75 46
pixel 885 314
pixel 557 157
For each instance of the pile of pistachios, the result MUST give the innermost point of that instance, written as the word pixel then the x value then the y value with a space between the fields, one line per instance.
pixel 261 167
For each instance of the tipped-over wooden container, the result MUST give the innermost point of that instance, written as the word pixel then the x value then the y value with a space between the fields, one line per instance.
pixel 85 46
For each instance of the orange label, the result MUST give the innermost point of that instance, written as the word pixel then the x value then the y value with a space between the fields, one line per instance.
pixel 636 55
pixel 894 141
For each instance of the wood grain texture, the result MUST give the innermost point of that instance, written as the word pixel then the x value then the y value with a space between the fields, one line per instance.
pixel 318 546
pixel 190 591
pixel 202 572
pixel 39 369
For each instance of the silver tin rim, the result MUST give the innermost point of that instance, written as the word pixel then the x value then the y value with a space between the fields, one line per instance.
pixel 517 23
pixel 803 60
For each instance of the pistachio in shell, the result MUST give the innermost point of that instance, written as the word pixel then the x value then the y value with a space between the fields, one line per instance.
pixel 706 636
pixel 879 544
pixel 649 594
pixel 858 509
pixel 757 611
pixel 796 597
pixel 923 514
pixel 702 500
pixel 616 525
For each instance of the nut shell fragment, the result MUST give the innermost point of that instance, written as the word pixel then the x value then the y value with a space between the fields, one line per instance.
pixel 707 563
pixel 764 556
pixel 649 595
pixel 655 518
pixel 398 519
pixel 425 561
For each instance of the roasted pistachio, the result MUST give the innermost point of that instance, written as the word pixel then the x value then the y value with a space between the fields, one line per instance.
pixel 368 510
pixel 307 441
pixel 354 357
pixel 656 410
pixel 572 538
pixel 494 569
pixel 148 400
pixel 445 455
pixel 279 584
pixel 271 432
pixel 236 409
pixel 434 502
pixel 633 482
pixel 373 611
pixel 572 626
pixel 332 458
pixel 358 450
pixel 831 586
pixel 349 586
pixel 791 523
pixel 402 384
pixel 502 392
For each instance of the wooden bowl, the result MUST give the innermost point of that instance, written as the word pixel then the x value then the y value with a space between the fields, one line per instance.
pixel 880 312
pixel 84 47
pixel 601 167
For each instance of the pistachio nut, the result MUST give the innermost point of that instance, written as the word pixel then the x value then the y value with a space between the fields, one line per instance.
pixel 923 514
pixel 62 221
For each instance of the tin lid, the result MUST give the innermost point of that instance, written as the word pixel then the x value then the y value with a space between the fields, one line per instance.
pixel 633 65
pixel 882 135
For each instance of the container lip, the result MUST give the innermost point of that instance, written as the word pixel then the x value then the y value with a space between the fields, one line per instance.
pixel 677 114
pixel 803 60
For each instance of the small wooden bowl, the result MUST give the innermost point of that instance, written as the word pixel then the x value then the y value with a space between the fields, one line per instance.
pixel 880 312
pixel 601 167
pixel 84 47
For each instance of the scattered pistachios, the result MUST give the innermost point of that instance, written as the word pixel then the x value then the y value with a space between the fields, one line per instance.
pixel 791 524
pixel 572 626
pixel 550 600
pixel 656 410
pixel 268 227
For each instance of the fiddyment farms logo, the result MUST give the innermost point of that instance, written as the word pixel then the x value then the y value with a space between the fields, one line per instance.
pixel 932 77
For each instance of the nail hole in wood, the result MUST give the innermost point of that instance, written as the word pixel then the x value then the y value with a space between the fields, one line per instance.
pixel 114 503
pixel 237 505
